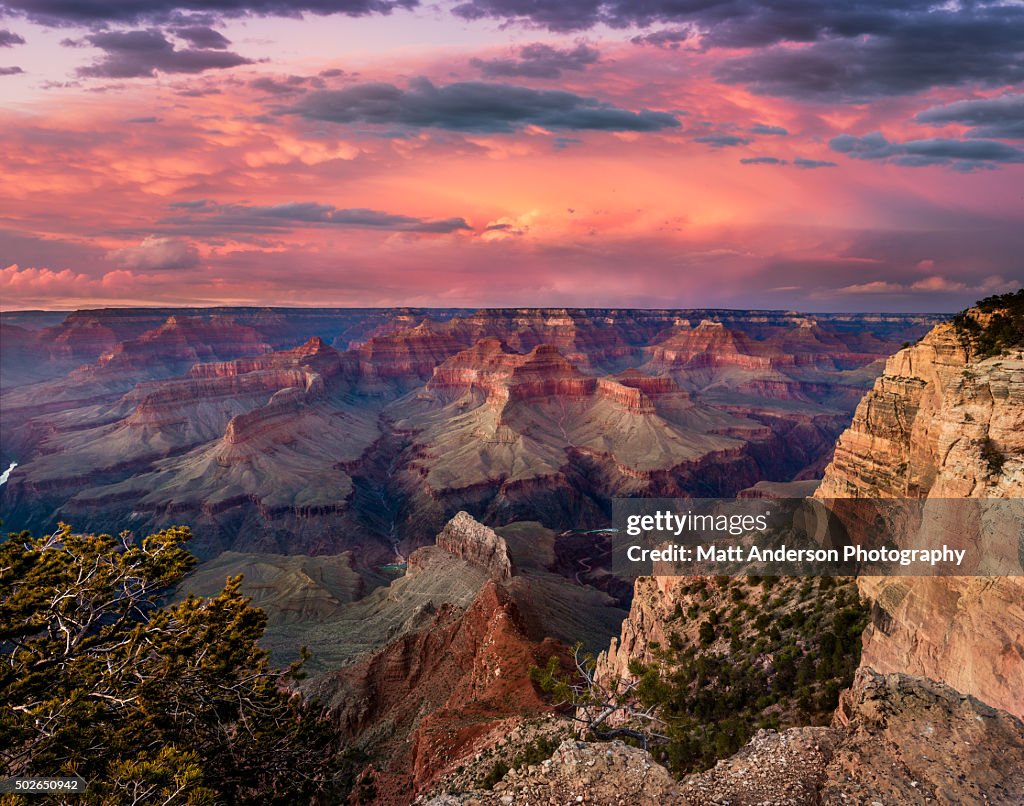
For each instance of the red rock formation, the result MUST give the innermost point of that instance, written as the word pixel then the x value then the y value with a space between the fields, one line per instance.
pixel 423 700
pixel 629 397
pixel 407 354
pixel 183 341
pixel 83 337
pixel 710 344
pixel 650 385
pixel 543 372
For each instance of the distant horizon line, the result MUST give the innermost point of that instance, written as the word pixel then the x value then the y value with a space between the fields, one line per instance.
pixel 470 308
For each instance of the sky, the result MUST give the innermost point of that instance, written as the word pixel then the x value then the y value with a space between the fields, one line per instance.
pixel 602 153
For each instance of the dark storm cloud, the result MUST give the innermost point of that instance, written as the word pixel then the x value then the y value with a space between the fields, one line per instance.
pixel 1002 116
pixel 943 48
pixel 201 36
pixel 98 12
pixel 732 23
pixel 207 217
pixel 852 51
pixel 133 54
pixel 474 106
pixel 729 23
pixel 9 39
pixel 199 92
pixel 539 61
pixel 667 38
pixel 556 15
pixel 802 162
pixel 798 162
pixel 762 128
pixel 194 204
pixel 10 71
pixel 962 155
pixel 272 86
pixel 722 140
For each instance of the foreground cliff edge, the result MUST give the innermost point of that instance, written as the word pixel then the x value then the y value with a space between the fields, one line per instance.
pixel 933 715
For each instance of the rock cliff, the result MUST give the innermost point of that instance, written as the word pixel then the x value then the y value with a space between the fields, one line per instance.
pixel 451 663
pixel 943 422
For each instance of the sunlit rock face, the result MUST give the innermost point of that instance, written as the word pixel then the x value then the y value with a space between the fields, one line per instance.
pixel 943 423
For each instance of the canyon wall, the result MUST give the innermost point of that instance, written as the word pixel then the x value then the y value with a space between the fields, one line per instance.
pixel 942 422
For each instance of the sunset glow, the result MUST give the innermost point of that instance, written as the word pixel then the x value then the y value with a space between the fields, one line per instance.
pixel 467 155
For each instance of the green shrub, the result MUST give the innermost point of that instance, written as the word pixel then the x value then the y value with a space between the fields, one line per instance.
pixel 1003 331
pixel 712 701
pixel 496 773
pixel 993 456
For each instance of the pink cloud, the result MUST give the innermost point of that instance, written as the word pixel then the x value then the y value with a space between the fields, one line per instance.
pixel 156 252
pixel 936 283
pixel 19 281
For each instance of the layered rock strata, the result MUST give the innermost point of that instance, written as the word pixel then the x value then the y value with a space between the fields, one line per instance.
pixel 944 423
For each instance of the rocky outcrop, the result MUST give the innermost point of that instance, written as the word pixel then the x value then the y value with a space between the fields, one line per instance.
pixel 452 672
pixel 630 398
pixel 505 376
pixel 650 385
pixel 942 423
pixel 929 425
pixel 965 631
pixel 86 335
pixel 185 401
pixel 895 739
pixel 607 774
pixel 182 341
pixel 654 602
pixel 313 355
pixel 477 544
pixel 422 702
pixel 258 422
pixel 913 740
pixel 545 372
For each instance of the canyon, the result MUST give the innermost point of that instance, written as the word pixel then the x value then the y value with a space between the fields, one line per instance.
pixel 306 431
pixel 418 497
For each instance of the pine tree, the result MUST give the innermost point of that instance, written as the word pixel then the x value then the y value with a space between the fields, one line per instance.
pixel 173 704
